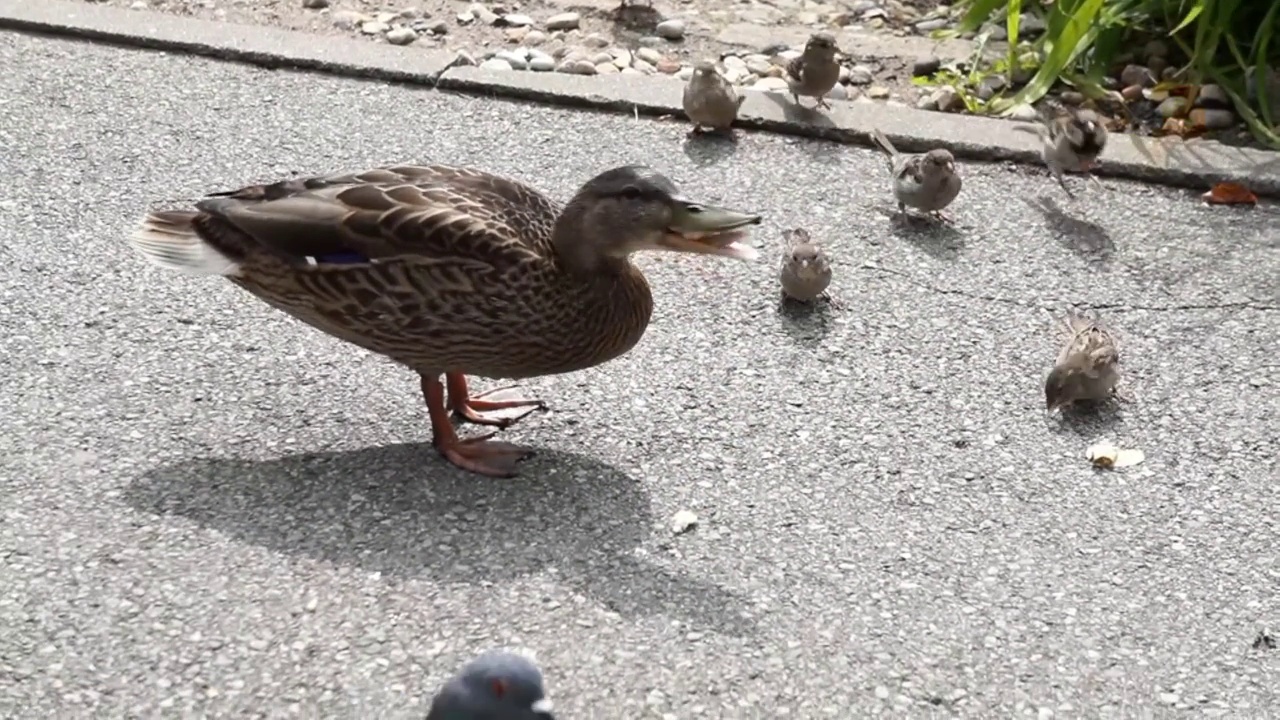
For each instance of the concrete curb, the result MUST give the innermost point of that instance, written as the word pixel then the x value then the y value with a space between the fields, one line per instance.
pixel 1196 164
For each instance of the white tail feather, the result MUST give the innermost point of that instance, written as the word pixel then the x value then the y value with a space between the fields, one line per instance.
pixel 177 247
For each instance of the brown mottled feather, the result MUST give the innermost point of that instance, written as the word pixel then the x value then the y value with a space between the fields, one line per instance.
pixel 461 277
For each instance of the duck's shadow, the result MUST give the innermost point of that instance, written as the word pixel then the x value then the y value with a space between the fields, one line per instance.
pixel 395 510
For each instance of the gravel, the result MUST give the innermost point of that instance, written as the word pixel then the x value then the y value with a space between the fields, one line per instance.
pixel 212 510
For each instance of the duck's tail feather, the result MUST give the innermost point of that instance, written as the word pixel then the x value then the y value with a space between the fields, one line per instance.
pixel 168 239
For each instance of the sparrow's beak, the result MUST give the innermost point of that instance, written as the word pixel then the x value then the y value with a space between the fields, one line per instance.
pixel 708 230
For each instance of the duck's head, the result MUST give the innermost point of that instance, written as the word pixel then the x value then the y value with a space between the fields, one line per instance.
pixel 633 208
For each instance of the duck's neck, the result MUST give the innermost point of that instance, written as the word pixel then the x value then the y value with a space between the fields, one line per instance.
pixel 613 297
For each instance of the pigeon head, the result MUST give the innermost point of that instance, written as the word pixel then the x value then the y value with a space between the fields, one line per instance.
pixel 498 685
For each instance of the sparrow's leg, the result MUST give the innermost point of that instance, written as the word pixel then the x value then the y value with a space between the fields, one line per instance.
pixel 795 98
pixel 471 407
pixel 1062 180
pixel 943 217
pixel 1121 395
pixel 697 130
pixel 1096 182
pixel 822 103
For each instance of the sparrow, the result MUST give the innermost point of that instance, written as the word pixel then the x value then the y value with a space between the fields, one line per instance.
pixel 710 100
pixel 805 271
pixel 497 685
pixel 1087 368
pixel 925 181
pixel 815 71
pixel 1071 141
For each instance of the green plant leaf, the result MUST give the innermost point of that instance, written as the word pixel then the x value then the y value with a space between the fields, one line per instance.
pixel 1065 45
pixel 1261 65
pixel 978 13
pixel 1190 18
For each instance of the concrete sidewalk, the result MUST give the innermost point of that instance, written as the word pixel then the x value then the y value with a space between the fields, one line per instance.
pixel 211 510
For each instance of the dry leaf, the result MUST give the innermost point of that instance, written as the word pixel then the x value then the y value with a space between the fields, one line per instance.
pixel 1166 90
pixel 1227 193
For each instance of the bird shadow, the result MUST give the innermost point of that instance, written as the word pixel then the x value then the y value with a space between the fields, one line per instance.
pixel 806 323
pixel 935 238
pixel 706 149
pixel 1087 419
pixel 1082 237
pixel 373 509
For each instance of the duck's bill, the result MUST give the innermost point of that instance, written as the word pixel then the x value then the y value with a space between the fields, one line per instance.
pixel 709 230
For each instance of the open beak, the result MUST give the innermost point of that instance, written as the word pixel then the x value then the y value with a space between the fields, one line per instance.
pixel 708 230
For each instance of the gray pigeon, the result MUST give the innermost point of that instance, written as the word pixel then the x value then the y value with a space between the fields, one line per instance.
pixel 498 685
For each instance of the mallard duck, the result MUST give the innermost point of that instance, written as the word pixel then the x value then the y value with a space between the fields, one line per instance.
pixel 451 272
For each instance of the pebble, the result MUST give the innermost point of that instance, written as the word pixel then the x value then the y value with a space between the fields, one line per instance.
pixel 517 20
pixel 1212 96
pixel 1132 93
pixel 1212 118
pixel 401 36
pixel 860 75
pixel 1171 106
pixel 880 92
pixel 1023 112
pixel 373 27
pixel 347 19
pixel 542 63
pixel 535 37
pixel 1136 75
pixel 670 29
pixel 927 26
pixel 649 55
pixel 770 84
pixel 315 4
pixel 495 63
pixel 564 21
pixel 925 67
pixel 514 58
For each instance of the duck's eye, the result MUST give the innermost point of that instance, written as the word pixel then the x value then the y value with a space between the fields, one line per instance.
pixel 631 192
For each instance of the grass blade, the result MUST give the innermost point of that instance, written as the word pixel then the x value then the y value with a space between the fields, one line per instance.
pixel 1073 39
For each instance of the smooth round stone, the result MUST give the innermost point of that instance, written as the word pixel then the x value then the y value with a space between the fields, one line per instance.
pixel 495 63
pixel 517 20
pixel 770 83
pixel 401 36
pixel 374 27
pixel 735 62
pixel 535 37
pixel 514 59
pixel 564 21
pixel 607 68
pixel 670 29
pixel 649 55
pixel 542 63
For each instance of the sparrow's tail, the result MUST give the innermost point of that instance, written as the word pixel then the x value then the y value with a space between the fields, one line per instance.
pixel 883 142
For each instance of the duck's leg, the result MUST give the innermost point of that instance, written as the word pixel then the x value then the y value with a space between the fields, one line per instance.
pixel 471 407
pixel 477 454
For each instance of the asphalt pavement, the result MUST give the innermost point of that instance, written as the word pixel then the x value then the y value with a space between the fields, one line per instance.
pixel 210 509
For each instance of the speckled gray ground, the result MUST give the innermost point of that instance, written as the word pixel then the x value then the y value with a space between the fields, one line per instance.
pixel 208 506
